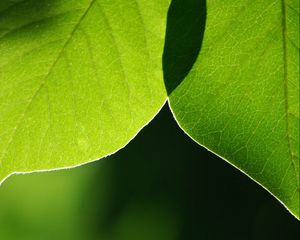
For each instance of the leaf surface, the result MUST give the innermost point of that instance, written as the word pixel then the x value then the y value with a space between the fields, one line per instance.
pixel 241 98
pixel 78 78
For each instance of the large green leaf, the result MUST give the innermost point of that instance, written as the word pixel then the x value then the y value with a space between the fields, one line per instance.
pixel 241 98
pixel 78 78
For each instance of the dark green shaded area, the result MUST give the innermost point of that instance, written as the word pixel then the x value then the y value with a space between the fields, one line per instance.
pixel 184 35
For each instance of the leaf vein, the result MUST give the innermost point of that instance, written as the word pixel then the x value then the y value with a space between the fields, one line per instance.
pixel 285 80
pixel 22 117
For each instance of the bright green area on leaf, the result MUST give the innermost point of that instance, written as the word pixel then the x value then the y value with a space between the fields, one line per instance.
pixel 78 79
pixel 241 99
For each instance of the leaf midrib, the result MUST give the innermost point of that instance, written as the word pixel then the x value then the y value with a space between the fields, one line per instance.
pixel 44 80
pixel 285 76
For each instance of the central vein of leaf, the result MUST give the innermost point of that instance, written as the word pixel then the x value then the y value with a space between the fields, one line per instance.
pixel 285 76
pixel 22 117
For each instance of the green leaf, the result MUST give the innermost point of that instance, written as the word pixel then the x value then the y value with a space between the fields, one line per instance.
pixel 241 98
pixel 78 78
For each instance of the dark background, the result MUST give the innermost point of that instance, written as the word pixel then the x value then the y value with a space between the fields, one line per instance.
pixel 161 186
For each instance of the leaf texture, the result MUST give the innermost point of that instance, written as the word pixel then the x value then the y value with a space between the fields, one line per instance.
pixel 78 79
pixel 241 98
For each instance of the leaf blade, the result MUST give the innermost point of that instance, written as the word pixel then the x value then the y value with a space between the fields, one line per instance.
pixel 234 99
pixel 75 79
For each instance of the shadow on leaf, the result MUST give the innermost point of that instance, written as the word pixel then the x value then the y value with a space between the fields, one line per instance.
pixel 184 35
